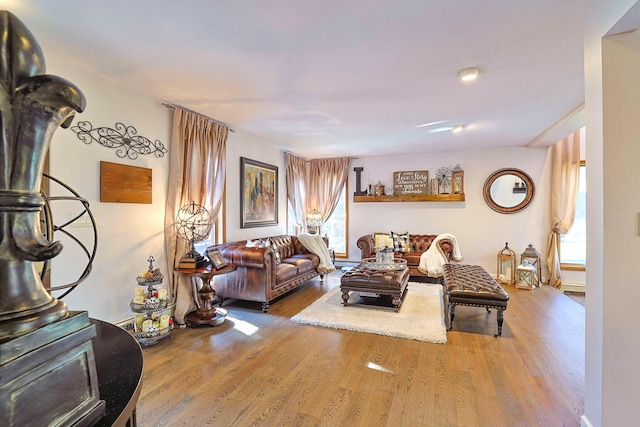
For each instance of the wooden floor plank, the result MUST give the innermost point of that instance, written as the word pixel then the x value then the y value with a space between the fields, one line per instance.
pixel 263 369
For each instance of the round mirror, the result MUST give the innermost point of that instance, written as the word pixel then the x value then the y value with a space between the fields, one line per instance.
pixel 508 190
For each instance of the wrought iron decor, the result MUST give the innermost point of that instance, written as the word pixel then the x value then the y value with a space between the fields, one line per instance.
pixel 123 139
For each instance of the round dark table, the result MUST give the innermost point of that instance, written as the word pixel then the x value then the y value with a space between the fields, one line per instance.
pixel 119 365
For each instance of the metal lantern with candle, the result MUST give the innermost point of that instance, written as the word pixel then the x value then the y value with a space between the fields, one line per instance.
pixel 525 276
pixel 532 256
pixel 506 266
pixel 457 180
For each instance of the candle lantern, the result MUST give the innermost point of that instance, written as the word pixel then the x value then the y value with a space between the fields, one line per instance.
pixel 506 266
pixel 525 276
pixel 533 257
pixel 457 180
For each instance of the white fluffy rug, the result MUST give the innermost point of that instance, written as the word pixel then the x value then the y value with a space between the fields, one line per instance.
pixel 420 318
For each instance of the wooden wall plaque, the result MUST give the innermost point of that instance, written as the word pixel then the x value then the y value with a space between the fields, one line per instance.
pixel 125 184
pixel 410 182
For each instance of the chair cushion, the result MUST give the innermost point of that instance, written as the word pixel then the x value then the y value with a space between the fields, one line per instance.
pixel 302 264
pixel 285 271
pixel 412 258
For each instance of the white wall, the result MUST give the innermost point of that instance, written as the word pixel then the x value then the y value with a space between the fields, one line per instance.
pixel 606 398
pixel 244 144
pixel 129 233
pixel 480 231
pixel 621 349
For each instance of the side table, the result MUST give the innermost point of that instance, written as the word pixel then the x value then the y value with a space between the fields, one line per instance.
pixel 207 314
pixel 332 253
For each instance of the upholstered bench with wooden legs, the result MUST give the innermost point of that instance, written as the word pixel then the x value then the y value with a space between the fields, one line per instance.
pixel 471 285
pixel 361 279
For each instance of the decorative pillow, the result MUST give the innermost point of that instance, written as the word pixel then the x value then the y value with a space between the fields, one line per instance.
pixel 400 242
pixel 254 243
pixel 271 244
pixel 381 240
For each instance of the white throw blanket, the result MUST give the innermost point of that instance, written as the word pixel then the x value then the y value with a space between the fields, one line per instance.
pixel 432 260
pixel 314 244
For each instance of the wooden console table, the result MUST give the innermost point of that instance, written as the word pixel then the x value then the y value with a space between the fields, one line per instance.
pixel 207 314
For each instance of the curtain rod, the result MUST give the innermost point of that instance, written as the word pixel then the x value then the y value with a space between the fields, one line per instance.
pixel 199 114
pixel 321 158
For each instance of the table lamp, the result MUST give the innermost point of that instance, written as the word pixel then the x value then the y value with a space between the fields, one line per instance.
pixel 193 224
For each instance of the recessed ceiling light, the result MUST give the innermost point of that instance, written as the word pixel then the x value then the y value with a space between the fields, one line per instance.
pixel 453 129
pixel 430 124
pixel 440 129
pixel 469 74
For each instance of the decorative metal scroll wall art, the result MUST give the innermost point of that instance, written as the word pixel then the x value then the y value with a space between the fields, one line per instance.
pixel 123 139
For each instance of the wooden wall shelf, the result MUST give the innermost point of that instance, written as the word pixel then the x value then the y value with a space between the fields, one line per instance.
pixel 412 198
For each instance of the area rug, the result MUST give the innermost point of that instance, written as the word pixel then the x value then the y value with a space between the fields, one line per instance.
pixel 420 318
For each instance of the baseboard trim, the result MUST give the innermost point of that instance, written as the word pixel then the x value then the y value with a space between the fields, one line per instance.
pixel 584 422
pixel 573 287
pixel 124 322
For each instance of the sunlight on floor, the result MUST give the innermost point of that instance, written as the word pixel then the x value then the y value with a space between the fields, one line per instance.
pixel 377 367
pixel 242 326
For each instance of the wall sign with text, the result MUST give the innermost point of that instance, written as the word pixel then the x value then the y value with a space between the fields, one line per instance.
pixel 411 182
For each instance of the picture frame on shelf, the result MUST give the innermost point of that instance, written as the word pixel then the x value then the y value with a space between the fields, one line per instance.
pixel 217 261
pixel 258 194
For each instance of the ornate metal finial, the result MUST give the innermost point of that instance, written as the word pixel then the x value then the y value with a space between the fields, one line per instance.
pixel 151 260
pixel 32 106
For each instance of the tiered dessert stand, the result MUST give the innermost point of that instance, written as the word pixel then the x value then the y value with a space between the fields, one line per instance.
pixel 151 325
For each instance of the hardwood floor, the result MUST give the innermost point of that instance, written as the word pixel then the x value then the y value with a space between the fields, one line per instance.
pixel 262 369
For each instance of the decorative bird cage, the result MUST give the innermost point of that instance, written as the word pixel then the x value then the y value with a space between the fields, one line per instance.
pixel 457 180
pixel 506 266
pixel 525 276
pixel 533 257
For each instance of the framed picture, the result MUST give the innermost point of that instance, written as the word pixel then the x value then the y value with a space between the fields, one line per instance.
pixel 258 194
pixel 216 259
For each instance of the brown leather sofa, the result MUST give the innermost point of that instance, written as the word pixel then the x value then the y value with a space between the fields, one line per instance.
pixel 259 277
pixel 418 243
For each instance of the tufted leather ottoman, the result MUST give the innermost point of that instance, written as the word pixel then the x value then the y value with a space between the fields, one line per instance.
pixel 471 285
pixel 362 279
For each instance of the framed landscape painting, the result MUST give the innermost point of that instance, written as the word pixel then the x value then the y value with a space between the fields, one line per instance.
pixel 258 194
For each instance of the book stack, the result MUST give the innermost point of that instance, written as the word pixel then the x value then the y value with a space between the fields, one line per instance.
pixel 188 262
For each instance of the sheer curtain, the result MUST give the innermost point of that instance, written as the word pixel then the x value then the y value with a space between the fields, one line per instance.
pixel 564 192
pixel 326 181
pixel 315 184
pixel 196 174
pixel 297 183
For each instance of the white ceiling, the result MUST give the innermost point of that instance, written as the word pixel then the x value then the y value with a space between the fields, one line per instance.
pixel 337 77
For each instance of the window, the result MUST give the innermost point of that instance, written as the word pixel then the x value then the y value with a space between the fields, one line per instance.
pixel 292 228
pixel 573 245
pixel 216 235
pixel 335 227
